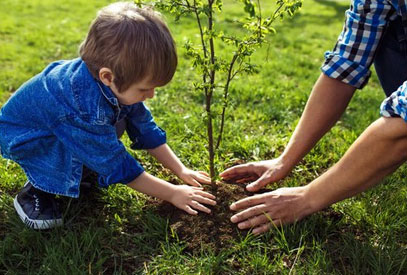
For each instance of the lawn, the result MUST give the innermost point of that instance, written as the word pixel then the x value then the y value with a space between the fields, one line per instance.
pixel 119 231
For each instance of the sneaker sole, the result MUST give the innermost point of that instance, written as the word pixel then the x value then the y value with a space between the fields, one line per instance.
pixel 35 224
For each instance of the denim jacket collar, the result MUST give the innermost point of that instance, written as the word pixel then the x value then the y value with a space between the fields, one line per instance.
pixel 108 94
pixel 83 78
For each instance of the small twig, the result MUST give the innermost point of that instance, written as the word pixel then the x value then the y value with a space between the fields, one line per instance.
pixel 225 98
pixel 194 9
pixel 200 29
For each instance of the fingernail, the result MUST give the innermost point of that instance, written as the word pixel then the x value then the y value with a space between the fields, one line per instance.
pixel 233 219
pixel 233 206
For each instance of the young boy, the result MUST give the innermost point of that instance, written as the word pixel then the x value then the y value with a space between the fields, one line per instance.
pixel 69 116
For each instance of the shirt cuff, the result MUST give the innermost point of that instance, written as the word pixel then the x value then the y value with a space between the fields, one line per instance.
pixel 347 71
pixel 125 172
pixel 150 140
pixel 396 104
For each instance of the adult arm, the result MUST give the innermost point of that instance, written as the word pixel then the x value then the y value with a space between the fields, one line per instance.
pixel 379 151
pixel 327 102
pixel 346 67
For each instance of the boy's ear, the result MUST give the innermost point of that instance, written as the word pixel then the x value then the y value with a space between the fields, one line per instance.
pixel 106 76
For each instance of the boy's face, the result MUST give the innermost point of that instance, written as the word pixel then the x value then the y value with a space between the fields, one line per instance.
pixel 137 92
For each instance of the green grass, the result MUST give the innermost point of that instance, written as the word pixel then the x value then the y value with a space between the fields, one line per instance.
pixel 115 231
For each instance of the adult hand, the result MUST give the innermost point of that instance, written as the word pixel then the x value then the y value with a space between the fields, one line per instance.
pixel 262 172
pixel 282 206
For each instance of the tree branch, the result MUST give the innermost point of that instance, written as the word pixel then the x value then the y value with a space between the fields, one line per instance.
pixel 225 97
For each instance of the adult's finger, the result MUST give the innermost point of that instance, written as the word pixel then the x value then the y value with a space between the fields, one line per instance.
pixel 255 221
pixel 259 183
pixel 247 178
pixel 237 170
pixel 242 178
pixel 248 201
pixel 249 213
pixel 266 226
pixel 262 228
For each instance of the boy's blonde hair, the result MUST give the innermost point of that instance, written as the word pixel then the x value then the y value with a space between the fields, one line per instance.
pixel 133 42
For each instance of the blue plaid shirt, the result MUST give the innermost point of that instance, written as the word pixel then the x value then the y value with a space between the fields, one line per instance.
pixel 396 104
pixel 354 51
pixel 353 54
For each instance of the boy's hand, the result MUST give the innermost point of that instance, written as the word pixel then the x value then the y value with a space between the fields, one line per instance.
pixel 190 198
pixel 194 178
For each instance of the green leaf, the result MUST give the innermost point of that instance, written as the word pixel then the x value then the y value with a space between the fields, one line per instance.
pixel 249 7
pixel 117 218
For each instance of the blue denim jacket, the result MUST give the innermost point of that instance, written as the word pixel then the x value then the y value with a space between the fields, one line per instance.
pixel 62 119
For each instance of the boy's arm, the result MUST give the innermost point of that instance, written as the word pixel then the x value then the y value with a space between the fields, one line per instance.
pixel 145 134
pixel 379 151
pixel 142 130
pixel 184 197
pixel 97 147
pixel 166 157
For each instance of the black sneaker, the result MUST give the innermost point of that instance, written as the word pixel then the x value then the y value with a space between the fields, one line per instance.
pixel 37 209
pixel 89 179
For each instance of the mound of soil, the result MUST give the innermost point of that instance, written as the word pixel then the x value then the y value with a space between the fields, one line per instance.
pixel 215 230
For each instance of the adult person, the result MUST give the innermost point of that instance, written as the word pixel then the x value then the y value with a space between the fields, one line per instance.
pixel 374 31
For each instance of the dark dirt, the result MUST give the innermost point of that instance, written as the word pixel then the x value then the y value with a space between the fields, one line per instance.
pixel 215 230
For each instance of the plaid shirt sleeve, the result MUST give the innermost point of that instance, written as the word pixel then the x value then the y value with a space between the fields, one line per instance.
pixel 396 104
pixel 353 53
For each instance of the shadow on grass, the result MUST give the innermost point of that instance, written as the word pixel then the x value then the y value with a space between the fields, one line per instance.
pixel 327 242
pixel 104 234
pixel 94 239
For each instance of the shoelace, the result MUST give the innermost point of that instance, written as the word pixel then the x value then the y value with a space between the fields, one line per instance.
pixel 37 203
pixel 54 204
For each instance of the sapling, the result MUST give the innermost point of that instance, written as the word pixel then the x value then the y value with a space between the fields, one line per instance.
pixel 217 70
